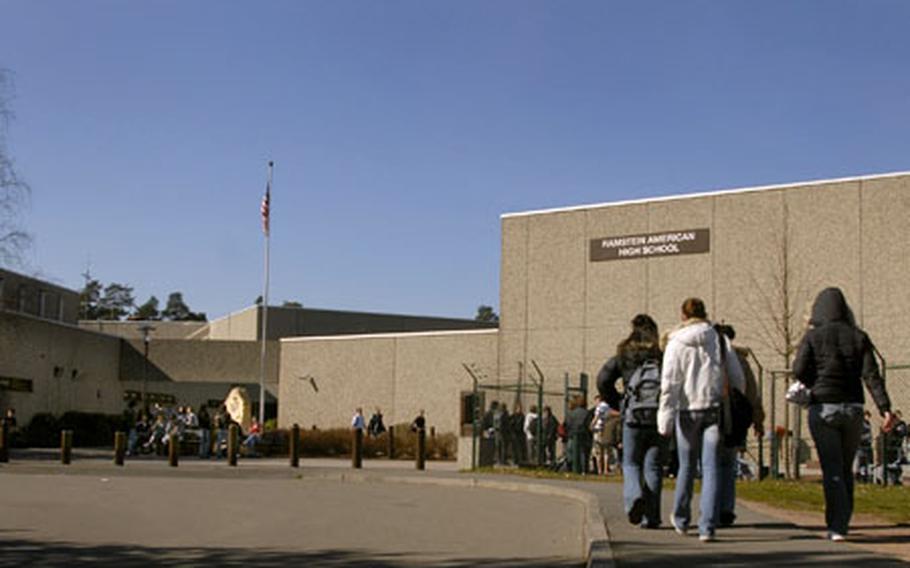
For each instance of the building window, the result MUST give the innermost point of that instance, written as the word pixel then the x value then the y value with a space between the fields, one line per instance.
pixel 42 303
pixel 23 297
pixel 469 405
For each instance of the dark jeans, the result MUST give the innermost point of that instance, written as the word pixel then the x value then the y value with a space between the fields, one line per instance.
pixel 643 452
pixel 837 429
pixel 577 450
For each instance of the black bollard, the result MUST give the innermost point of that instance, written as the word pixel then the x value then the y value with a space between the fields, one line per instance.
pixel 357 449
pixel 391 442
pixel 421 449
pixel 4 442
pixel 173 450
pixel 233 445
pixel 66 447
pixel 119 447
pixel 294 445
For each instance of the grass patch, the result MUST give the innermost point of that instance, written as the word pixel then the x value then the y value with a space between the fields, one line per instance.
pixel 889 503
pixel 544 473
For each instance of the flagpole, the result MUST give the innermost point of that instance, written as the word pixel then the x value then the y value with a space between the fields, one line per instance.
pixel 265 300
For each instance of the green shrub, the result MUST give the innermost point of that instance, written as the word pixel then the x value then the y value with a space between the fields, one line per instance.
pixel 337 442
pixel 43 431
pixel 89 429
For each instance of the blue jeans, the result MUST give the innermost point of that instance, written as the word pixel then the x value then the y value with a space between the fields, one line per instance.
pixel 697 438
pixel 837 429
pixel 643 450
pixel 728 460
pixel 205 442
pixel 575 453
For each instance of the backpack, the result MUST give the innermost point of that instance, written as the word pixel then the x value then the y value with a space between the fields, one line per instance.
pixel 643 395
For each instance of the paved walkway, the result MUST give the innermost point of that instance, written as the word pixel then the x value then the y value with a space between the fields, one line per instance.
pixel 759 537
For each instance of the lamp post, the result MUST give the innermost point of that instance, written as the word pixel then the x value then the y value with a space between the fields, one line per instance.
pixel 146 329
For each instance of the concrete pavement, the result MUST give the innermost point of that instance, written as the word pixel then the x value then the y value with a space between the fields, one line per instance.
pixel 757 538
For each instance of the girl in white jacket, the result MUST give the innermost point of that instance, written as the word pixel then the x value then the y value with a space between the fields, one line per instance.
pixel 691 394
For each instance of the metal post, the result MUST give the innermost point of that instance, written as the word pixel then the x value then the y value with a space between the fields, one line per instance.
pixel 146 329
pixel 788 437
pixel 391 442
pixel 540 440
pixel 761 439
pixel 357 449
pixel 233 444
pixel 66 447
pixel 294 445
pixel 421 449
pixel 119 447
pixel 173 450
pixel 775 465
pixel 475 424
pixel 797 437
pixel 4 441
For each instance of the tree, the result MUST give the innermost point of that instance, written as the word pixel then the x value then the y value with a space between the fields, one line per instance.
pixel 14 191
pixel 177 310
pixel 90 300
pixel 486 314
pixel 117 301
pixel 781 302
pixel 148 310
pixel 291 304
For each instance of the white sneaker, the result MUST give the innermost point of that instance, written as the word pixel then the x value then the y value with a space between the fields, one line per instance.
pixel 707 537
pixel 680 530
pixel 836 537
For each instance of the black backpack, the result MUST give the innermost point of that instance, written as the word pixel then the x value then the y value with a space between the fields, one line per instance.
pixel 643 395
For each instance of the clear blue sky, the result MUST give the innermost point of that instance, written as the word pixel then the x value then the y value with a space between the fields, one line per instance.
pixel 402 130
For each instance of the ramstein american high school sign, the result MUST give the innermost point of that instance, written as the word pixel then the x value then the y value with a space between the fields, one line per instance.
pixel 667 243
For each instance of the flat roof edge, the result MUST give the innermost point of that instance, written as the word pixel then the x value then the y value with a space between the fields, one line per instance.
pixel 711 193
pixel 390 335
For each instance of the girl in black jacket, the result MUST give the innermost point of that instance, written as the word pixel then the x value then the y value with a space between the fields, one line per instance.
pixel 834 358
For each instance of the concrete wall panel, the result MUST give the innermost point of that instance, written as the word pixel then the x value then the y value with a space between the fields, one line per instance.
pixel 613 287
pixel 885 306
pixel 557 256
pixel 514 274
pixel 673 279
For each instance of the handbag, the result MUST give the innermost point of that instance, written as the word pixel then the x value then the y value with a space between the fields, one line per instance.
pixel 799 394
pixel 737 411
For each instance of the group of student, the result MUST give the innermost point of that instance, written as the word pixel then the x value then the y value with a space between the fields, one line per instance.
pixel 692 387
pixel 152 430
pixel 518 437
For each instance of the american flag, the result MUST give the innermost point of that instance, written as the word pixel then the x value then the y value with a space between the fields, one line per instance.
pixel 264 209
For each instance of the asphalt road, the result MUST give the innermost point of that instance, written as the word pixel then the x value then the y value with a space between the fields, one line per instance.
pixel 117 519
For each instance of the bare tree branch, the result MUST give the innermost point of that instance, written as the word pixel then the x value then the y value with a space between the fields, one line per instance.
pixel 14 191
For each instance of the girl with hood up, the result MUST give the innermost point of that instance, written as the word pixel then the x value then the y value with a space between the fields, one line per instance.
pixel 834 359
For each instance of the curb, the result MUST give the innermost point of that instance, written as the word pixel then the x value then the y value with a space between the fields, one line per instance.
pixel 595 541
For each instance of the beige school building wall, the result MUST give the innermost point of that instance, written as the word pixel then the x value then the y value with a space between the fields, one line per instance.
pixel 399 373
pixel 68 368
pixel 568 312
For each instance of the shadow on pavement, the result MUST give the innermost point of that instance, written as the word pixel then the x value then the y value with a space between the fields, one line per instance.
pixel 30 553
pixel 848 556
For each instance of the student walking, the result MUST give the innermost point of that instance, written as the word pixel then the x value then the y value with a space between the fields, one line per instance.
pixel 834 359
pixel 643 448
pixel 691 394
